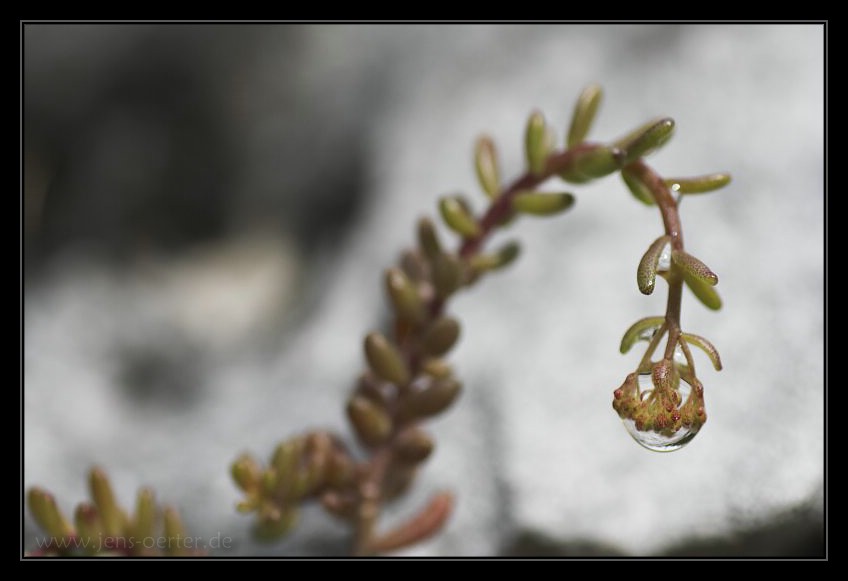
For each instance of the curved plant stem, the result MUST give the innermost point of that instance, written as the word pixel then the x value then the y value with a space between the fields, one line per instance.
pixel 671 222
pixel 373 473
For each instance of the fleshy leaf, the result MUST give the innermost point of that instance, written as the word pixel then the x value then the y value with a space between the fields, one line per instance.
pixel 385 360
pixel 646 274
pixel 414 445
pixel 639 190
pixel 504 256
pixel 145 514
pixel 404 295
pixel 428 239
pixel 646 139
pixel 705 292
pixel 699 184
pixel 372 424
pixel 584 114
pixel 458 218
pixel 486 165
pixel 440 336
pixel 537 142
pixel 47 514
pixel 634 333
pixel 447 274
pixel 705 346
pixel 107 506
pixel 431 400
pixel 694 267
pixel 540 204
pixel 593 163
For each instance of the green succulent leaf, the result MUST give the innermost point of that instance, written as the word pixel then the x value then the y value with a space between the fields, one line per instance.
pixel 694 267
pixel 414 445
pixel 705 346
pixel 645 139
pixel 447 274
pixel 637 329
pixel 537 143
pixel 385 360
pixel 584 114
pixel 699 184
pixel 638 188
pixel 440 336
pixel 704 291
pixel 371 422
pixel 89 527
pixel 542 204
pixel 47 514
pixel 111 514
pixel 431 400
pixel 456 215
pixel 593 163
pixel 174 530
pixel 403 294
pixel 499 259
pixel 646 273
pixel 486 165
pixel 428 238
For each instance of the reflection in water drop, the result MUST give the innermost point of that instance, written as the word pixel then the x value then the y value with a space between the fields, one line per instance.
pixel 664 262
pixel 657 441
pixel 665 440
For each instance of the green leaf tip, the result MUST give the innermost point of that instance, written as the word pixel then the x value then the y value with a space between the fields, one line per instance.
pixel 440 336
pixel 646 139
pixel 694 267
pixel 584 114
pixel 537 143
pixel 447 274
pixel 542 204
pixel 703 291
pixel 404 296
pixel 385 360
pixel 428 238
pixel 458 218
pixel 111 514
pixel 593 163
pixel 46 513
pixel 371 423
pixel 638 188
pixel 504 256
pixel 637 331
pixel 698 184
pixel 431 400
pixel 705 346
pixel 486 166
pixel 646 273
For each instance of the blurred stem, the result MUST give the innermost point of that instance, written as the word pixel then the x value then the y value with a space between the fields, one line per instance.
pixel 373 473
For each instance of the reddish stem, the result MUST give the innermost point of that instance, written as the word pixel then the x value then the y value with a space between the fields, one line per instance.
pixel 501 208
pixel 671 222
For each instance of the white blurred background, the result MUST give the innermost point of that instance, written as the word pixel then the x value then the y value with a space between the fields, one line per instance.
pixel 209 208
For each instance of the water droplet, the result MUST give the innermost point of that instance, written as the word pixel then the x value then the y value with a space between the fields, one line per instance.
pixel 646 386
pixel 664 262
pixel 657 441
pixel 660 441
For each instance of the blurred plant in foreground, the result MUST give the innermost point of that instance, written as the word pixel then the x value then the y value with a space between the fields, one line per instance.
pixel 104 528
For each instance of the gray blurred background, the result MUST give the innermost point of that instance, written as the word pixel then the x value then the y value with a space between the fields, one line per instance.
pixel 208 210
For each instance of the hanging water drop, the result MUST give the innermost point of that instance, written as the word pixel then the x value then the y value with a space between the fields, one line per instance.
pixel 660 416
